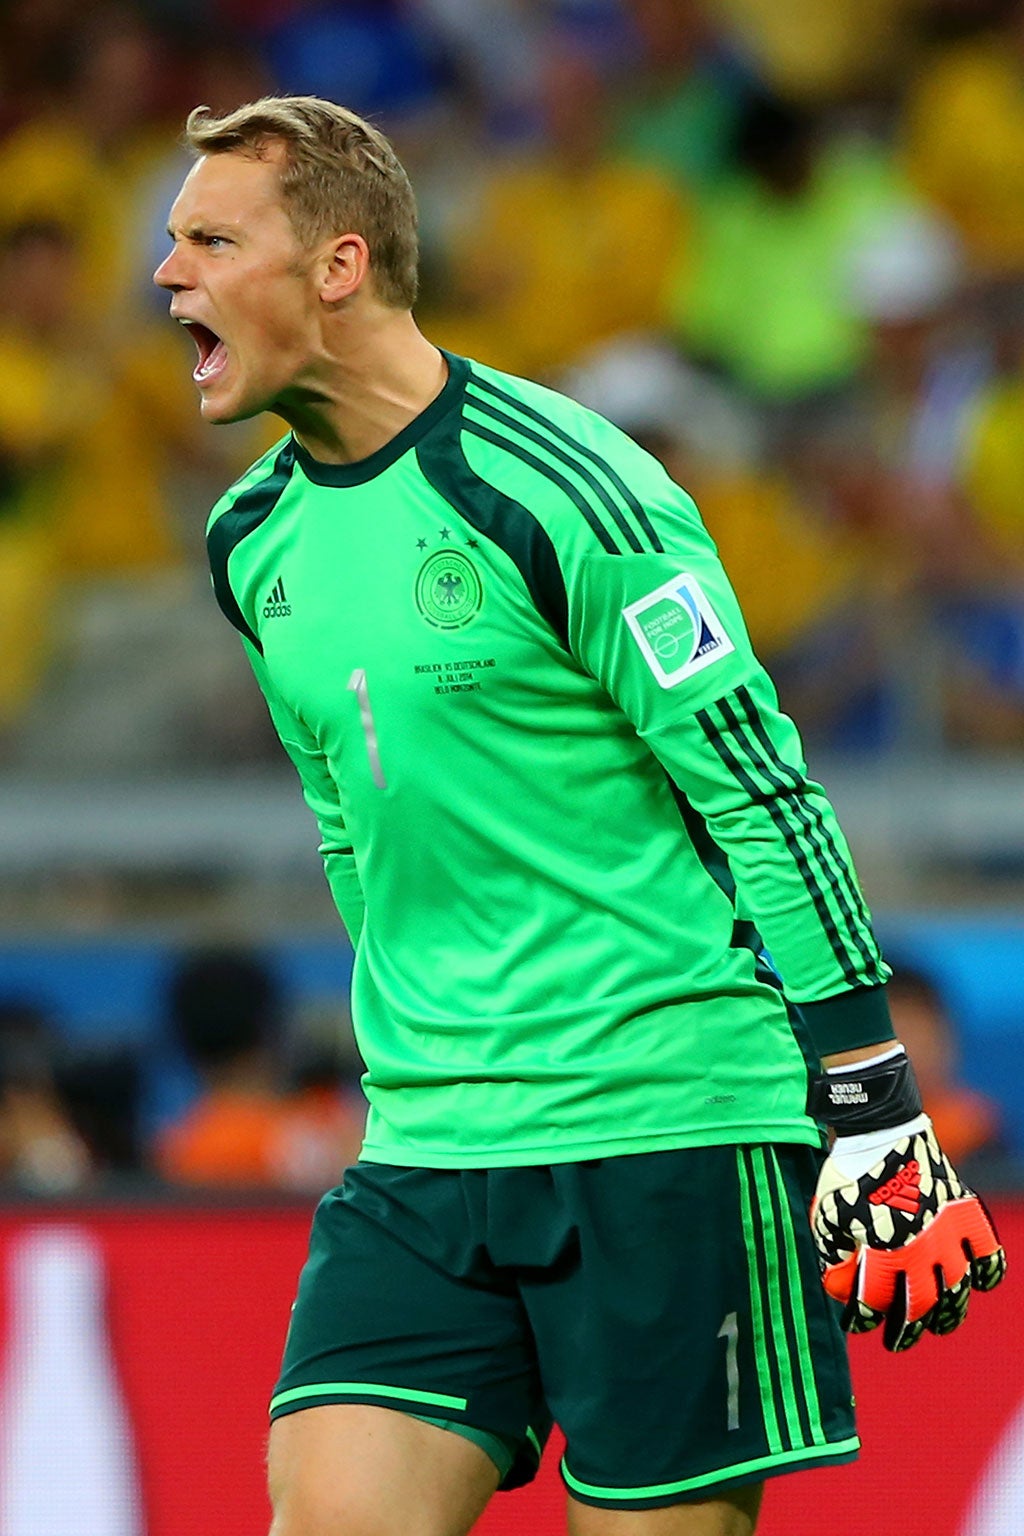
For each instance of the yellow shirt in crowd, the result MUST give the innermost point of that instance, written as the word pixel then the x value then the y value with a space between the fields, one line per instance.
pixel 790 569
pixel 558 261
pixel 994 468
pixel 965 147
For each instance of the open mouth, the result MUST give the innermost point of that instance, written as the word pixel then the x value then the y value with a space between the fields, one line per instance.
pixel 213 354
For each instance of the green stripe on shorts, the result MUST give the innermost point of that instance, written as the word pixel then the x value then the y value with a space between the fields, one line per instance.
pixel 733 1474
pixel 367 1389
pixel 798 1311
pixel 788 1382
pixel 757 1311
pixel 775 1301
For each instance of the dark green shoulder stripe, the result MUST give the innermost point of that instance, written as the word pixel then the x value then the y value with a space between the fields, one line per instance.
pixel 810 826
pixel 839 864
pixel 716 867
pixel 504 521
pixel 601 533
pixel 251 509
pixel 768 798
pixel 615 479
pixel 578 468
pixel 707 850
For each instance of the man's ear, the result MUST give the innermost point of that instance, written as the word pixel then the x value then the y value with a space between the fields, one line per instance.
pixel 344 267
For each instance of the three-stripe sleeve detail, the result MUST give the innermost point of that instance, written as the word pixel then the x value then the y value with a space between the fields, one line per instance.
pixel 579 468
pixel 810 827
pixel 785 1368
pixel 824 872
pixel 846 880
pixel 606 492
pixel 584 450
pixel 601 533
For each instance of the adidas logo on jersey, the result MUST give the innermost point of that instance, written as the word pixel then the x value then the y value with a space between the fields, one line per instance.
pixel 276 606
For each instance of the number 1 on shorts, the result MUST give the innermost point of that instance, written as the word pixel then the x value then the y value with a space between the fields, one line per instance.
pixel 730 1332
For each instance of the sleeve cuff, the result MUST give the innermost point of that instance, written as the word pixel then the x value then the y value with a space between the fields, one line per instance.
pixel 849 1020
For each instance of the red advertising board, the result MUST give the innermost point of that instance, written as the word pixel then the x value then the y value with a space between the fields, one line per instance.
pixel 193 1314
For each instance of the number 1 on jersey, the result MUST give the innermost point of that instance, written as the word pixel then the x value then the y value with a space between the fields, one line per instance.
pixel 357 685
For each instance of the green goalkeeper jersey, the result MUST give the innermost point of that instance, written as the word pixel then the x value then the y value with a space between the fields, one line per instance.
pixel 561 814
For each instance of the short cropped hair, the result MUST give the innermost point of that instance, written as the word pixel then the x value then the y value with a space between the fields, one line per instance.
pixel 340 173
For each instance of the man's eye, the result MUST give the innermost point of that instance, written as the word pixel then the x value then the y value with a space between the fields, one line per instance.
pixel 215 240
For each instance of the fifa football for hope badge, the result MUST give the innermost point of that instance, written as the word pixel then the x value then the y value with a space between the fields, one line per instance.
pixel 677 630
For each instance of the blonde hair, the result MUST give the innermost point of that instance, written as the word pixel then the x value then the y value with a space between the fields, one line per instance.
pixel 339 174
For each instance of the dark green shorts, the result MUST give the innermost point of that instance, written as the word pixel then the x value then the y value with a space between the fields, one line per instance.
pixel 664 1309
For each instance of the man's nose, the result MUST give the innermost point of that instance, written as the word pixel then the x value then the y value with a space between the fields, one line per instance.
pixel 171 272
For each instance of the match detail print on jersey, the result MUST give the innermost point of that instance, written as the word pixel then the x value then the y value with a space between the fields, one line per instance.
pixel 677 630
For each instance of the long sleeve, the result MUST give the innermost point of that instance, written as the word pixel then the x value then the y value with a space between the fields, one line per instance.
pixel 660 629
pixel 321 795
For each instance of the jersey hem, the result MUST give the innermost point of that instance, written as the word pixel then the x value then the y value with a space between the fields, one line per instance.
pixel 800 1131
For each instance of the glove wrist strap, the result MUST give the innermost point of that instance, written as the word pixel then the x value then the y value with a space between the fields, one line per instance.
pixel 861 1099
pixel 854 1156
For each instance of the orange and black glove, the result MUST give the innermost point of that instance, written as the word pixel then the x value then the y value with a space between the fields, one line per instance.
pixel 901 1241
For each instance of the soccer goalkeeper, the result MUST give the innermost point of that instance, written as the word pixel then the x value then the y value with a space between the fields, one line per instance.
pixel 565 825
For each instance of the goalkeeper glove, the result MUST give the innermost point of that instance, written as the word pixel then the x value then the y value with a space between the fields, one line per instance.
pixel 901 1241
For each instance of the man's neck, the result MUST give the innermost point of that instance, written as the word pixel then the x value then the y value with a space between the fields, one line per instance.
pixel 371 387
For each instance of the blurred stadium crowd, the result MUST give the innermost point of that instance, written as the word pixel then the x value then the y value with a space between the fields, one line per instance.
pixel 268 1100
pixel 779 241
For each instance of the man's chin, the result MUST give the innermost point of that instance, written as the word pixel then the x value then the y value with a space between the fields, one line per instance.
pixel 221 412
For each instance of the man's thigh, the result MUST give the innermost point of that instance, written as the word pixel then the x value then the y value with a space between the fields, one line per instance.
pixel 733 1513
pixel 346 1469
pixel 692 1348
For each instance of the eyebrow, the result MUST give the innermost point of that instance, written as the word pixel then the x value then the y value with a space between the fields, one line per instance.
pixel 198 229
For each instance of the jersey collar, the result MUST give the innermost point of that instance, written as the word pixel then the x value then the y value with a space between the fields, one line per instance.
pixel 362 470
